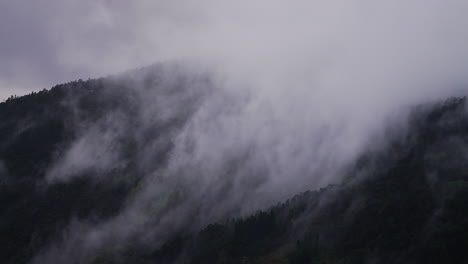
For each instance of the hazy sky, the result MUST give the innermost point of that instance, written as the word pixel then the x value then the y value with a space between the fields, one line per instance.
pixel 45 42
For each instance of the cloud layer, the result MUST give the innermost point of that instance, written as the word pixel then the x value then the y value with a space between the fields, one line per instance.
pixel 300 89
pixel 367 47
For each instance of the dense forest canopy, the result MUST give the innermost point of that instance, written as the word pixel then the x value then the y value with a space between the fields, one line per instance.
pixel 403 203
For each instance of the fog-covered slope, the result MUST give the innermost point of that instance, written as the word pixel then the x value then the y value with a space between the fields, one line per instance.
pixel 109 171
pixel 41 195
pixel 405 204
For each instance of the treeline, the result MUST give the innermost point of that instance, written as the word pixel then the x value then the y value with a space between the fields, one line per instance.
pixel 411 209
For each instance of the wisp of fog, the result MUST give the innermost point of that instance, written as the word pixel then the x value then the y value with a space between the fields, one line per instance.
pixel 278 96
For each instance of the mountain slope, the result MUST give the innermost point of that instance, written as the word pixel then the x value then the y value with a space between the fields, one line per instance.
pixel 38 130
pixel 403 204
pixel 409 209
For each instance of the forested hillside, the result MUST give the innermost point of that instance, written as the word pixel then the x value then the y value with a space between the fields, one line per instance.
pixel 411 208
pixel 406 203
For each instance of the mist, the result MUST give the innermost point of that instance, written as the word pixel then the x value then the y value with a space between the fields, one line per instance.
pixel 278 97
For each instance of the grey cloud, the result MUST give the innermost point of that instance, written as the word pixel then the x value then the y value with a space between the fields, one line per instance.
pixel 300 88
pixel 361 42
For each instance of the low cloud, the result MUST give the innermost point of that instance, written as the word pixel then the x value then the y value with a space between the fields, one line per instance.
pixel 296 91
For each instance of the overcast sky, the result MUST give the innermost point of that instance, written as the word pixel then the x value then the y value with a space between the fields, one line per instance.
pixel 45 42
pixel 321 77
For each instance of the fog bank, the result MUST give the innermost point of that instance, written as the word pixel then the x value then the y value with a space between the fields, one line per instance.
pixel 278 97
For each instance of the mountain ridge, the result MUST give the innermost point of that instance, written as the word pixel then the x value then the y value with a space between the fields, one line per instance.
pixel 403 204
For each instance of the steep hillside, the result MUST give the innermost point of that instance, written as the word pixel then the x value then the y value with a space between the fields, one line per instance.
pixel 403 204
pixel 37 129
pixel 409 208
